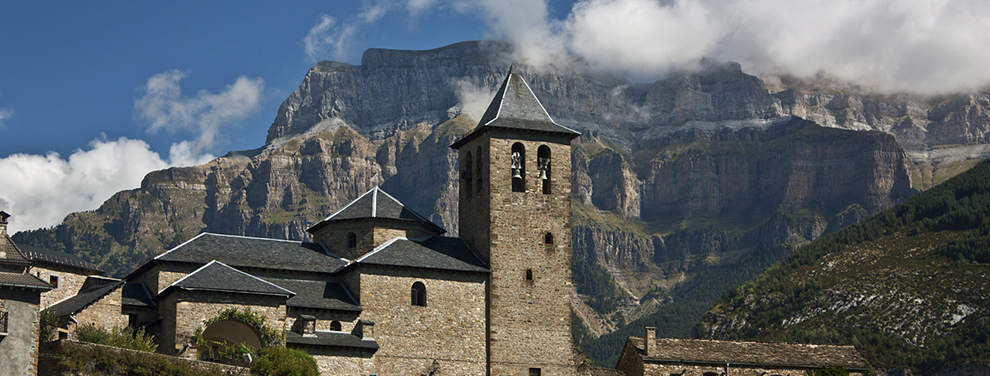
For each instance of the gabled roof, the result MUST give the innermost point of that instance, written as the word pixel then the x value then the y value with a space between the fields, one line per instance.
pixel 243 251
pixel 217 276
pixel 9 252
pixel 23 280
pixel 83 299
pixel 375 203
pixel 41 256
pixel 515 107
pixel 752 353
pixel 317 294
pixel 435 252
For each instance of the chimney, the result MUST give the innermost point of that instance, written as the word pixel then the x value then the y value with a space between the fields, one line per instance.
pixel 3 223
pixel 650 341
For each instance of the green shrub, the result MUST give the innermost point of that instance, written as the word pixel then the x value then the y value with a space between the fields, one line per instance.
pixel 123 337
pixel 49 327
pixel 280 361
pixel 92 360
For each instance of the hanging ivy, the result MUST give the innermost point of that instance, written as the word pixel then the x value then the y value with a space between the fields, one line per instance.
pixel 269 337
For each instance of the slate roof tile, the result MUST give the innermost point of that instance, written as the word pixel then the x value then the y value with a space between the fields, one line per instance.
pixel 317 294
pixel 23 280
pixel 435 252
pixel 243 251
pixel 40 255
pixel 516 107
pixel 376 203
pixel 217 276
pixel 83 298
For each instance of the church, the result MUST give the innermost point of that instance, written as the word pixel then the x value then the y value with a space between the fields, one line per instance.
pixel 380 290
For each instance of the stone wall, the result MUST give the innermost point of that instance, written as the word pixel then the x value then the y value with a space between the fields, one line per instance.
pixel 192 309
pixel 19 348
pixel 447 335
pixel 105 312
pixel 160 276
pixel 343 362
pixel 68 284
pixel 530 281
pixel 685 369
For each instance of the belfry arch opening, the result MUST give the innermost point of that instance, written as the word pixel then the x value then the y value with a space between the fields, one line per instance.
pixel 518 167
pixel 543 164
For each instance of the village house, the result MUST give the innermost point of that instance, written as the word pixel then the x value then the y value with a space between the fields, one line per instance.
pixel 20 297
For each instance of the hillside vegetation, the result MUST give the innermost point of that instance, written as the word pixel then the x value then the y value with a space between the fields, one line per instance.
pixel 908 287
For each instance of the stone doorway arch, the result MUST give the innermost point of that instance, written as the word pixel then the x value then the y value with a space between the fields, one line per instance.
pixel 229 333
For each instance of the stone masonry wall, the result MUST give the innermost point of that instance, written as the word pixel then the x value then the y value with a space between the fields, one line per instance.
pixel 104 312
pixel 370 233
pixel 19 349
pixel 666 369
pixel 447 335
pixel 193 308
pixel 68 284
pixel 346 362
pixel 530 319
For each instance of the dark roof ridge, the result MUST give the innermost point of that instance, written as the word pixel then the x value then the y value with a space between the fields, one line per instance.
pixel 177 283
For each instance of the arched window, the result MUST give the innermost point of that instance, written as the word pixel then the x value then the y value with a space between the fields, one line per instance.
pixel 419 294
pixel 351 240
pixel 548 239
pixel 468 179
pixel 477 170
pixel 518 167
pixel 543 164
pixel 335 325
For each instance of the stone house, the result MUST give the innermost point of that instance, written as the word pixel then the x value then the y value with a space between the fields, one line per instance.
pixel 20 297
pixel 380 290
pixel 651 356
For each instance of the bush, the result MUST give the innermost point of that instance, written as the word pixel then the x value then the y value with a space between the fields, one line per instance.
pixel 48 327
pixel 123 337
pixel 280 361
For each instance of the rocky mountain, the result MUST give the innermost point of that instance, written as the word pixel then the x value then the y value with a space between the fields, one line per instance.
pixel 693 175
pixel 908 287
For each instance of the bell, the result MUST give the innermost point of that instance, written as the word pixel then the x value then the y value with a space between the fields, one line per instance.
pixel 516 174
pixel 543 174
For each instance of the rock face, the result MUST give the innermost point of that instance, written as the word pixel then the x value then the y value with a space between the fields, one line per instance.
pixel 669 178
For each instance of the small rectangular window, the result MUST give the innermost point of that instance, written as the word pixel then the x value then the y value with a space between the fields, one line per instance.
pixel 53 280
pixel 535 372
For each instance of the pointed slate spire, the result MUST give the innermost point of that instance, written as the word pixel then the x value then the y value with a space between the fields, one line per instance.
pixel 516 107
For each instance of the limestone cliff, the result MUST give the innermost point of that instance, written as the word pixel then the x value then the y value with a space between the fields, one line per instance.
pixel 672 179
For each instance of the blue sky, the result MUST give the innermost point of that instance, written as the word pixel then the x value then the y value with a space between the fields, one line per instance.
pixel 93 95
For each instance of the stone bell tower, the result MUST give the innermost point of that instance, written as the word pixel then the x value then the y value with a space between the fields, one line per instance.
pixel 515 212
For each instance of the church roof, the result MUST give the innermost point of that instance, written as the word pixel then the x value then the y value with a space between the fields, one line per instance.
pixel 84 298
pixel 435 252
pixel 243 251
pixel 752 353
pixel 41 256
pixel 217 276
pixel 515 107
pixel 317 294
pixel 23 280
pixel 375 203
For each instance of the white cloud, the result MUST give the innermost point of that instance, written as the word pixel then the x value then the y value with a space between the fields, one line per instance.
pixel 327 39
pixel 472 99
pixel 164 107
pixel 39 191
pixel 927 46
